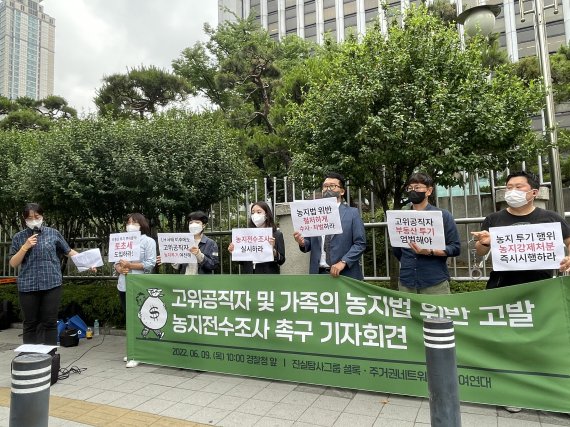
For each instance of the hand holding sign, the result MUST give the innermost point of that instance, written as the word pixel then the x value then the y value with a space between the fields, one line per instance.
pixel 528 247
pixel 316 217
pixel 252 244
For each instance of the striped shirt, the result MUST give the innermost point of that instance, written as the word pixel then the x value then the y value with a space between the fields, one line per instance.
pixel 41 267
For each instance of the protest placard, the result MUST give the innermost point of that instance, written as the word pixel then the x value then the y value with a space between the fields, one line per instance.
pixel 422 227
pixel 527 247
pixel 125 246
pixel 252 244
pixel 316 217
pixel 174 248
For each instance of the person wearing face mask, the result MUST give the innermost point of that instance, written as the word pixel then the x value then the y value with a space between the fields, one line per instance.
pixel 206 251
pixel 338 254
pixel 261 217
pixel 144 265
pixel 522 189
pixel 424 271
pixel 37 250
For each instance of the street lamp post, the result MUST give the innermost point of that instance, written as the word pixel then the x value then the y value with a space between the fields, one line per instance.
pixel 469 19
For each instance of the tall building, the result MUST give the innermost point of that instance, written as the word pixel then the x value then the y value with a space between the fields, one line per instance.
pixel 311 19
pixel 27 46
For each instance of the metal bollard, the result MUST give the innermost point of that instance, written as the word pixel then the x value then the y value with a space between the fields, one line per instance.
pixel 29 400
pixel 439 341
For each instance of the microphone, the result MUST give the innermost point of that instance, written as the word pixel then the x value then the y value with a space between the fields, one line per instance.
pixel 36 230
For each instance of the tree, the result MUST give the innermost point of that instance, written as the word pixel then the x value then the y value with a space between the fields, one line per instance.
pixel 27 113
pixel 240 70
pixel 97 170
pixel 139 92
pixel 412 100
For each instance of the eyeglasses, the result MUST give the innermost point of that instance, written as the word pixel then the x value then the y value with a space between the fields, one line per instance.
pixel 331 186
pixel 416 188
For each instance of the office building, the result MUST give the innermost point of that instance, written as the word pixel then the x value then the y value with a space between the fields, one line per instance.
pixel 27 46
pixel 312 19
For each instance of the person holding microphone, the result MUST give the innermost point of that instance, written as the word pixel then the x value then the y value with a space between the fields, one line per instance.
pixel 37 251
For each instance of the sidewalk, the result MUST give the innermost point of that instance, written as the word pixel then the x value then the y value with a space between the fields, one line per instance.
pixel 106 393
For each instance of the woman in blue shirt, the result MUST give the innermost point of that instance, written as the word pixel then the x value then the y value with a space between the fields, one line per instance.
pixel 37 251
pixel 145 264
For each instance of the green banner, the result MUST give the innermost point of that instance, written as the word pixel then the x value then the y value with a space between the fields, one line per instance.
pixel 512 344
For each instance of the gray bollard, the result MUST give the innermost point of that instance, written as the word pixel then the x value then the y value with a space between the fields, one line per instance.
pixel 29 400
pixel 439 341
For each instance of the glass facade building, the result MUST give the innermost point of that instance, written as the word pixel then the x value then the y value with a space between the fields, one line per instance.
pixel 27 46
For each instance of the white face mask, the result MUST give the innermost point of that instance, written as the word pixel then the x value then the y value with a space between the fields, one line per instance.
pixel 194 228
pixel 32 223
pixel 258 219
pixel 133 227
pixel 516 198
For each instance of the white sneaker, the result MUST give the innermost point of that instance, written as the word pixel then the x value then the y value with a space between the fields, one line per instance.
pixel 513 409
pixel 125 359
pixel 132 364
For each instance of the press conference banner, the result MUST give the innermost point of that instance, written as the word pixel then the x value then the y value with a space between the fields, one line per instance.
pixel 513 344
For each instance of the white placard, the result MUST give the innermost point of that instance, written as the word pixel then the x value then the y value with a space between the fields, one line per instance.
pixel 422 227
pixel 175 248
pixel 527 247
pixel 125 246
pixel 316 217
pixel 88 259
pixel 252 244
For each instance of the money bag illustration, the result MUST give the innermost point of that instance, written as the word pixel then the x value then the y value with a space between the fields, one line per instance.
pixel 153 313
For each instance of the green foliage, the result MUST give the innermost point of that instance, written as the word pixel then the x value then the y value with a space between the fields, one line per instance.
pixel 241 70
pixel 95 171
pixel 95 300
pixel 139 92
pixel 529 69
pixel 25 119
pixel 27 113
pixel 412 100
pixel 444 10
pixel 493 56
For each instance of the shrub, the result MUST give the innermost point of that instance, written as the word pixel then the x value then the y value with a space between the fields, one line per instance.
pixel 90 300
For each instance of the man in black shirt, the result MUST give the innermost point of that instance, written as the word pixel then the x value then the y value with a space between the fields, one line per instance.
pixel 522 188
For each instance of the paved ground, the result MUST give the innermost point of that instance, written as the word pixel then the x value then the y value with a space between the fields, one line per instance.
pixel 106 393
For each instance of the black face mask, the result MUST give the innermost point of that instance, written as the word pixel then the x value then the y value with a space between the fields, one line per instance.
pixel 416 197
pixel 331 193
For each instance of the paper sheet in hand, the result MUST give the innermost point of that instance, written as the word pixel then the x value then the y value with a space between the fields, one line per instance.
pixel 88 259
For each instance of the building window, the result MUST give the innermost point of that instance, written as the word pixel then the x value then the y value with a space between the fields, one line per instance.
pixel 349 7
pixel 272 6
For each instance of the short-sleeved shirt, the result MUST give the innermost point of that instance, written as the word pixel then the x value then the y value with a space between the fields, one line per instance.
pixel 503 218
pixel 40 269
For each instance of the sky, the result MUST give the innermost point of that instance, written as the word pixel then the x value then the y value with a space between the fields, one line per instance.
pixel 95 38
